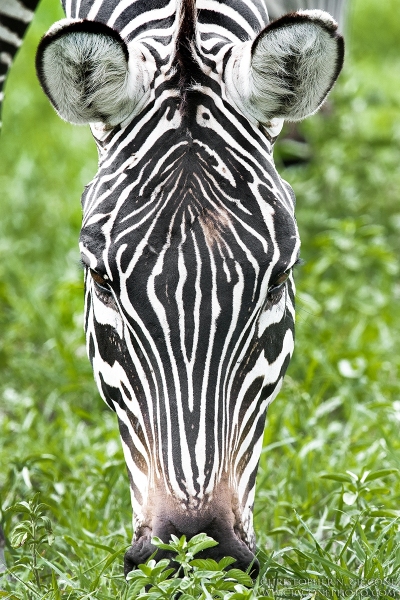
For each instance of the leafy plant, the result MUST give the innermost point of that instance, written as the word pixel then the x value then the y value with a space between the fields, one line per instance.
pixel 34 530
pixel 190 578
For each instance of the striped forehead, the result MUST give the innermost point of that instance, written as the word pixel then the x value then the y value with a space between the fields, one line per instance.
pixel 211 167
pixel 237 20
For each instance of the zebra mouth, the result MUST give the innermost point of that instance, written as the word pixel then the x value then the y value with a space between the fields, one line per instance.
pixel 229 544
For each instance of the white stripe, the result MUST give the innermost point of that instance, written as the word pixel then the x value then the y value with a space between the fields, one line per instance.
pixel 222 9
pixel 219 461
pixel 215 311
pixel 93 11
pixel 9 36
pixel 68 8
pixel 159 309
pixel 77 8
pixel 5 58
pixel 138 477
pixel 152 15
pixel 251 465
pixel 271 373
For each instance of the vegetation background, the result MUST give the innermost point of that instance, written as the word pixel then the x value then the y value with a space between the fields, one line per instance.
pixel 326 510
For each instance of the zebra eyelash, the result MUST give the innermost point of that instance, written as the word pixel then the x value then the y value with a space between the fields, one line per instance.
pixel 279 285
pixel 299 263
pixel 101 289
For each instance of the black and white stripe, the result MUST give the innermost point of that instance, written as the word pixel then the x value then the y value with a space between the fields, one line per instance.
pixel 15 17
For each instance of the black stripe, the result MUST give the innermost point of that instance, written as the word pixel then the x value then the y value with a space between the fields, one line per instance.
pixel 30 4
pixel 15 25
pixel 210 17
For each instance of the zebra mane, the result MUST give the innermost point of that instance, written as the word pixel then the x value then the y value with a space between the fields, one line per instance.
pixel 187 21
pixel 185 61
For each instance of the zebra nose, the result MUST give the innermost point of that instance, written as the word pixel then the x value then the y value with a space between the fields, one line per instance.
pixel 228 545
pixel 137 554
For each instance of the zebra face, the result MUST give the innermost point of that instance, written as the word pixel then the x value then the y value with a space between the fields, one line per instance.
pixel 188 241
pixel 189 314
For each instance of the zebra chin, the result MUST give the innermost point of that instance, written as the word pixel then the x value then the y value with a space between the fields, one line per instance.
pixel 215 520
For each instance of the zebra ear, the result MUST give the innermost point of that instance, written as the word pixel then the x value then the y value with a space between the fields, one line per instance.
pixel 288 70
pixel 88 73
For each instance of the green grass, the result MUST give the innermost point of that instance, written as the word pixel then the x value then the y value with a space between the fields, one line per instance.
pixel 326 512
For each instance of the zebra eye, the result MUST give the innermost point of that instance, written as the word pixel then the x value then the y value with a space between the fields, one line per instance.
pixel 276 289
pixel 103 289
pixel 279 281
pixel 100 281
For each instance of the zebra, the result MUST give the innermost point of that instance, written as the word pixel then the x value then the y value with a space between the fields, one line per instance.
pixel 188 238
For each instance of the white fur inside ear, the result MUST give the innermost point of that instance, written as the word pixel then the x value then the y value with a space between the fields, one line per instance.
pixel 293 68
pixel 289 69
pixel 88 78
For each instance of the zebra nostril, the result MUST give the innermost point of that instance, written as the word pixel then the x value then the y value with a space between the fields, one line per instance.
pixel 137 554
pixel 231 545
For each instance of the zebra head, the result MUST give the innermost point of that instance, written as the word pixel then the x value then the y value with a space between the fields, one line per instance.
pixel 189 238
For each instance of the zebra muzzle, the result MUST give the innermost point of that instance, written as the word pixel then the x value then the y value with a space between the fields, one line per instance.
pixel 229 543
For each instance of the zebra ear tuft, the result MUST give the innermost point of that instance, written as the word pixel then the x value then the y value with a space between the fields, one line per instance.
pixel 289 69
pixel 88 72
